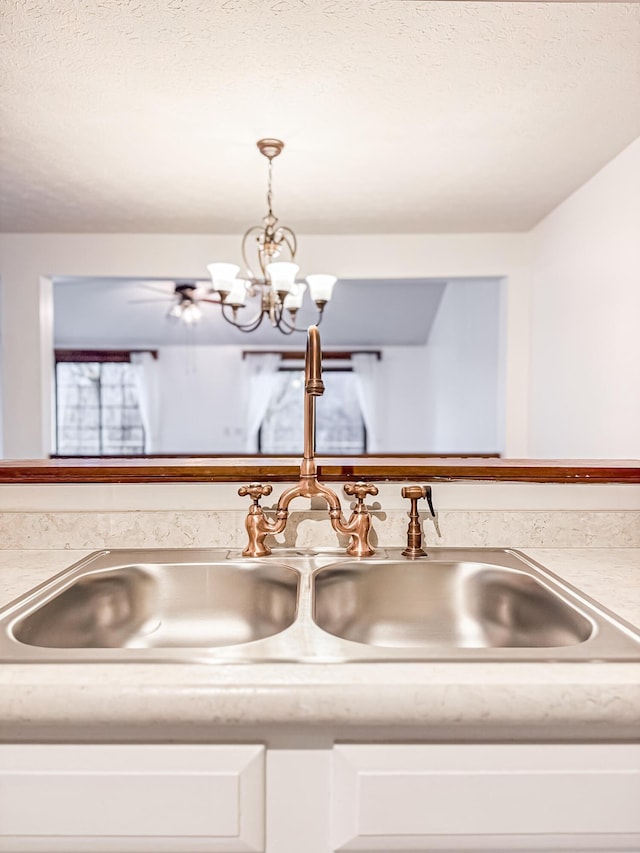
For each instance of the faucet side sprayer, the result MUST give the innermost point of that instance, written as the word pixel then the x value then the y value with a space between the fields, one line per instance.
pixel 359 524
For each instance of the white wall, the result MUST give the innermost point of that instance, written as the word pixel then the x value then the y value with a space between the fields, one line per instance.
pixel 585 370
pixel 445 397
pixel 28 260
pixel 462 370
pixel 201 400
pixel 400 413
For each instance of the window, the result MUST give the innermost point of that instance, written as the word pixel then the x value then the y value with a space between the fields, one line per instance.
pixel 339 425
pixel 97 411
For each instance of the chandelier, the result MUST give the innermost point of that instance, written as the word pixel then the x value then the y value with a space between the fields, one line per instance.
pixel 270 283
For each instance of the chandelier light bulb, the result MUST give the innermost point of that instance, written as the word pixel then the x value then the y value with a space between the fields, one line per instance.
pixel 321 287
pixel 237 296
pixel 293 300
pixel 282 276
pixel 223 276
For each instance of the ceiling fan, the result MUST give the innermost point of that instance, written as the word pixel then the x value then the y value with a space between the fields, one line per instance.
pixel 186 298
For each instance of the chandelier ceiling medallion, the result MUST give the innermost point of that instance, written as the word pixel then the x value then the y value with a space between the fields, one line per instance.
pixel 272 281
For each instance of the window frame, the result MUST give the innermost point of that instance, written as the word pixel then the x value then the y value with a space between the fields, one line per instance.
pixel 82 356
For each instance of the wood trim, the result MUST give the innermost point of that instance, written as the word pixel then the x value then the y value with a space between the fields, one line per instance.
pixel 327 355
pixel 100 355
pixel 234 469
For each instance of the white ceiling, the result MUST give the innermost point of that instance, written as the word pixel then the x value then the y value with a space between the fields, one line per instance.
pixel 398 116
pixel 107 314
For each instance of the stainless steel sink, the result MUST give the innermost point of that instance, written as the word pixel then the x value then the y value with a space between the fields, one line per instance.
pixel 213 606
pixel 166 606
pixel 145 605
pixel 423 605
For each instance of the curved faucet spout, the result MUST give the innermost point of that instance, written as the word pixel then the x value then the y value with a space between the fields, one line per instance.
pixel 313 364
pixel 313 387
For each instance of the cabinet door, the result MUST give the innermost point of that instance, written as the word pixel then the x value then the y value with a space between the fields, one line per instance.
pixel 131 799
pixel 486 798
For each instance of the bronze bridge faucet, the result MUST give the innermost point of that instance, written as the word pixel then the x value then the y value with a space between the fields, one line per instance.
pixel 359 524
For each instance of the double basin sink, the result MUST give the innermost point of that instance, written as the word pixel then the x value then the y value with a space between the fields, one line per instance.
pixel 309 606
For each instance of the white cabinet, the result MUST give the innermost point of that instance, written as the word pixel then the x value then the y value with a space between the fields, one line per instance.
pixel 481 798
pixel 138 799
pixel 486 797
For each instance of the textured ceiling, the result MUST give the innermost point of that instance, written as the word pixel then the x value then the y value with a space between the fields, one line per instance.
pixel 101 313
pixel 141 115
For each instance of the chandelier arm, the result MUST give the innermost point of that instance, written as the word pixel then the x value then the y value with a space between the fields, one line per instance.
pixel 255 229
pixel 278 319
pixel 289 237
pixel 284 328
pixel 251 326
pixel 281 322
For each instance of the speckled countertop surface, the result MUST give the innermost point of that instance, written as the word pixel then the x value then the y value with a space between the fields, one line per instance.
pixel 532 701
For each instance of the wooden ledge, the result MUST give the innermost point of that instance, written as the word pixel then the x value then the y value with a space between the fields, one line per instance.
pixel 237 469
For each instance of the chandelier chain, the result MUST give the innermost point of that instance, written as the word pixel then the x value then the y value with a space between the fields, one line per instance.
pixel 270 189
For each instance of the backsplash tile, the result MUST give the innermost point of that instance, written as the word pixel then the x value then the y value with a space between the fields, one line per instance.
pixel 177 529
pixel 55 530
pixel 225 528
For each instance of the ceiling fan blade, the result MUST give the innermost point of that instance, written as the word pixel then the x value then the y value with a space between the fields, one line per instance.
pixel 168 291
pixel 167 298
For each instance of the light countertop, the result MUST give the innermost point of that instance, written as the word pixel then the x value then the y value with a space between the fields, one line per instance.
pixel 438 701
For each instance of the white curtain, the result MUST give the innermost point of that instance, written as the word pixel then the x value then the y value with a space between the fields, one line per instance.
pixel 262 382
pixel 145 375
pixel 365 370
pixel 72 381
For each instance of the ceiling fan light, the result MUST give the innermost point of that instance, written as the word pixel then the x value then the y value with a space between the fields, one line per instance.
pixel 293 300
pixel 282 276
pixel 176 311
pixel 191 314
pixel 237 296
pixel 321 287
pixel 223 276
